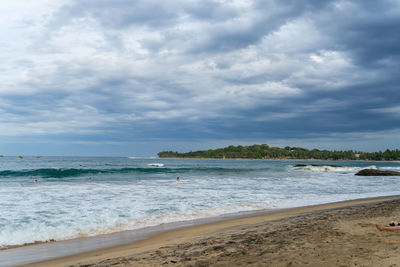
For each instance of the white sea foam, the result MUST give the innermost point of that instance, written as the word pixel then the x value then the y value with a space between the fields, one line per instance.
pixel 57 213
pixel 327 168
pixel 156 164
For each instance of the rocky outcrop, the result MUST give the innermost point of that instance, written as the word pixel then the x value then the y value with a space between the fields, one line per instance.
pixel 373 172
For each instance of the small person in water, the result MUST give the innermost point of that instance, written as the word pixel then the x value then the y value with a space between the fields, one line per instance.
pixel 35 181
pixel 393 226
pixel 178 179
pixel 90 179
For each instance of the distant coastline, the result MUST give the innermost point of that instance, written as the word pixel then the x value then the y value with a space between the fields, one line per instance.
pixel 283 159
pixel 265 152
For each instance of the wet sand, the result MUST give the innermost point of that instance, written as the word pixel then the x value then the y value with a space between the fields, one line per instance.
pixel 336 234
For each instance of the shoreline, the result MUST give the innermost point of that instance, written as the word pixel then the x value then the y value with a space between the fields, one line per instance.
pixel 192 233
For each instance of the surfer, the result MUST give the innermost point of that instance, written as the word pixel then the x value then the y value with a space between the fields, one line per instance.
pixel 178 179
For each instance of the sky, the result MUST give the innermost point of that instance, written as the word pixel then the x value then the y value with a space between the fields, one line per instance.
pixel 135 77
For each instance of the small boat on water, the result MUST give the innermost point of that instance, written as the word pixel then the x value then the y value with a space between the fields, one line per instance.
pixel 156 164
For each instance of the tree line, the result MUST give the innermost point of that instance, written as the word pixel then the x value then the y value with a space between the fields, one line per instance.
pixel 266 152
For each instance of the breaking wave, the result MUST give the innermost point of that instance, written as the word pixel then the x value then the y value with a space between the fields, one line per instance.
pixel 331 168
pixel 72 172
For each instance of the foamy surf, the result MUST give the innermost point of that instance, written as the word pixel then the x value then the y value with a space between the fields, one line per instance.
pixel 90 227
pixel 330 168
pixel 156 164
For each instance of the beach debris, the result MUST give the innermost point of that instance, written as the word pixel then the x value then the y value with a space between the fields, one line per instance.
pixel 373 172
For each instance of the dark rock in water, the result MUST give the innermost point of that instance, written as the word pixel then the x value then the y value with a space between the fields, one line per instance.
pixel 373 172
pixel 318 165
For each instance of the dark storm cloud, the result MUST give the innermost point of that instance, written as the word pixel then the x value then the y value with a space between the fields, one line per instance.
pixel 369 30
pixel 205 70
pixel 263 18
pixel 229 26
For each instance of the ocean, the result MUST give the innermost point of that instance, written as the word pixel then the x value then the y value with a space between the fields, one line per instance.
pixel 133 193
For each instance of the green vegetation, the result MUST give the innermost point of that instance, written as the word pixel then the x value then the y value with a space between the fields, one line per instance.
pixel 267 152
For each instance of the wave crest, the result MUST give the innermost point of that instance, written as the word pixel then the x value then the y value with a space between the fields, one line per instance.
pixel 73 172
pixel 330 168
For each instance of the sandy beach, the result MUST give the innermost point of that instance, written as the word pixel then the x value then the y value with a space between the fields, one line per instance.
pixel 336 234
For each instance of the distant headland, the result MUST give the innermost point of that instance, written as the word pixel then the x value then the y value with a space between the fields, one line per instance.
pixel 266 152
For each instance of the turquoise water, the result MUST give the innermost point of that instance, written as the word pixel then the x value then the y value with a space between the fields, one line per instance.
pixel 132 193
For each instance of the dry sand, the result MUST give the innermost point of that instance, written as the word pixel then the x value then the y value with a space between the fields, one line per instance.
pixel 337 234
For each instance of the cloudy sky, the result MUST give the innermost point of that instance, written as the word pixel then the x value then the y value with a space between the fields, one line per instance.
pixel 134 77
